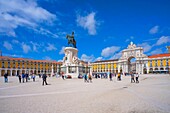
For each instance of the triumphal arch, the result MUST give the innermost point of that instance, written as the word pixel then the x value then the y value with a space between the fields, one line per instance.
pixel 132 51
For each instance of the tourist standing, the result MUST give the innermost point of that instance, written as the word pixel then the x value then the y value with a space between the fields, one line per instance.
pixel 23 77
pixel 137 77
pixel 44 77
pixel 6 77
pixel 110 76
pixel 26 77
pixel 19 77
pixel 132 78
pixel 62 75
pixel 33 77
pixel 119 77
pixel 85 78
pixel 90 77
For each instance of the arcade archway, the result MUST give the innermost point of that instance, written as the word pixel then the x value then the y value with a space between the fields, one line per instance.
pixel 132 64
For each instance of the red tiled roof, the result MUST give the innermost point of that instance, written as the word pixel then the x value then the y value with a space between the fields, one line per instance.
pixel 106 60
pixel 160 55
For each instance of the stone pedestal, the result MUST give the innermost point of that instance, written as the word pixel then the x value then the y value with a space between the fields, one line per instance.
pixel 70 62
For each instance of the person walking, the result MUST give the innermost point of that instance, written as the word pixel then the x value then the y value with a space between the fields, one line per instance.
pixel 6 77
pixel 85 78
pixel 33 77
pixel 62 75
pixel 23 77
pixel 137 77
pixel 90 77
pixel 119 77
pixel 19 77
pixel 44 77
pixel 132 78
pixel 110 76
pixel 26 77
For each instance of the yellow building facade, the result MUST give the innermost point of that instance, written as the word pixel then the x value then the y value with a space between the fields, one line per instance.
pixel 158 63
pixel 105 66
pixel 14 66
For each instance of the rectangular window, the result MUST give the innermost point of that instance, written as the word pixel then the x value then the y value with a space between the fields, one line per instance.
pixel 3 64
pixel 8 64
pixel 150 64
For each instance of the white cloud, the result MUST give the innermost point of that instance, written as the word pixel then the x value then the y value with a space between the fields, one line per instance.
pixel 13 55
pixel 60 61
pixel 109 51
pixel 62 50
pixel 88 22
pixel 26 48
pixel 35 46
pixel 99 58
pixel 163 40
pixel 117 55
pixel 46 32
pixel 7 45
pixel 47 58
pixel 15 41
pixel 156 51
pixel 154 30
pixel 51 47
pixel 27 13
pixel 129 39
pixel 145 46
pixel 86 58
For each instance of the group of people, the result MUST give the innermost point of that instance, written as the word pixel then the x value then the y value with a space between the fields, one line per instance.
pixel 134 76
pixel 25 77
pixel 106 75
pixel 88 77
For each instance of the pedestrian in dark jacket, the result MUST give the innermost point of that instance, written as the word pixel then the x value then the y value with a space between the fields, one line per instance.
pixel 110 76
pixel 19 77
pixel 44 77
pixel 86 78
pixel 26 77
pixel 6 77
pixel 132 78
pixel 23 77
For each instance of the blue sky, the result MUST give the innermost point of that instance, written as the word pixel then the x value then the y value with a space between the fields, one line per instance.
pixel 37 29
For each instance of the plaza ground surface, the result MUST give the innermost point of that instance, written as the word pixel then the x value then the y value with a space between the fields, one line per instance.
pixel 151 95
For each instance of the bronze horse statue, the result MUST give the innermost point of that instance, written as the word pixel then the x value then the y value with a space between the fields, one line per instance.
pixel 71 40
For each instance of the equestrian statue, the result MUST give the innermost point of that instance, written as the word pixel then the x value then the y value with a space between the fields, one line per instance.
pixel 71 40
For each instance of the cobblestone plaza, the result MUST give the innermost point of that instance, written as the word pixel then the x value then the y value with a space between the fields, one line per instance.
pixel 151 95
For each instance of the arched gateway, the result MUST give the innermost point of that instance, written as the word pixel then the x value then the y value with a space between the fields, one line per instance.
pixel 124 64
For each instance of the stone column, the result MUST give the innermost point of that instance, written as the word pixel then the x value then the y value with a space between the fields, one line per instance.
pixel 118 68
pixel 10 72
pixel 140 68
pixel 126 67
pixel 137 67
pixel 77 70
pixel 66 70
pixel 15 72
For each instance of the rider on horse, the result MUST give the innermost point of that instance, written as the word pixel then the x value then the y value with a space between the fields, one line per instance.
pixel 71 40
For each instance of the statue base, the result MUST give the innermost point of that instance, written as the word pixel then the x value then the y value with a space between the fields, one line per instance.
pixel 70 62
